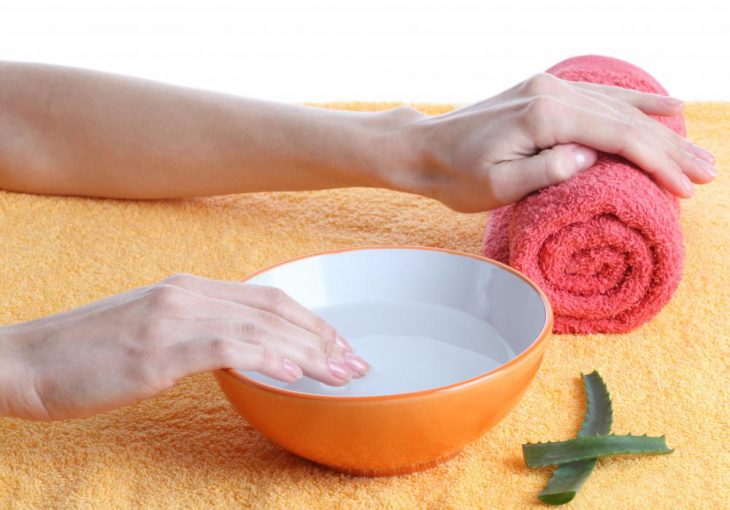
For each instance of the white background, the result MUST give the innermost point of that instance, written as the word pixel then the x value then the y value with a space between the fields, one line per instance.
pixel 315 50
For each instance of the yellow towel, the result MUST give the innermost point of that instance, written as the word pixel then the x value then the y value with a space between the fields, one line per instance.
pixel 188 448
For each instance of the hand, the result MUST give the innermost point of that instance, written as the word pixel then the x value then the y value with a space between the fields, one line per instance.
pixel 536 134
pixel 134 345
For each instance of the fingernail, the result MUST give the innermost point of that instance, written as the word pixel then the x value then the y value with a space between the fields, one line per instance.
pixel 343 343
pixel 686 183
pixel 583 156
pixel 672 102
pixel 357 364
pixel 339 369
pixel 292 369
pixel 702 153
pixel 706 168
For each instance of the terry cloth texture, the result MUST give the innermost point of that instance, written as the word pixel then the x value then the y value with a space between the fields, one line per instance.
pixel 606 245
pixel 187 448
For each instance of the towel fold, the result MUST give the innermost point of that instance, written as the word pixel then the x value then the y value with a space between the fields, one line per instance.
pixel 606 245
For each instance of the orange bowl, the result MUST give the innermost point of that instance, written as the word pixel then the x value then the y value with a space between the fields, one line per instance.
pixel 453 340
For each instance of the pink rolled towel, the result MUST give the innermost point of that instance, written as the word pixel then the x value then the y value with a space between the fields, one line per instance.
pixel 605 246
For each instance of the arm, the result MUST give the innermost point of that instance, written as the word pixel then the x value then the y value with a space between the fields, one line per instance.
pixel 77 132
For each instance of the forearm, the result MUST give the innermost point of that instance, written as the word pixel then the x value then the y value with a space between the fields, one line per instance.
pixel 77 132
pixel 12 375
pixel 4 396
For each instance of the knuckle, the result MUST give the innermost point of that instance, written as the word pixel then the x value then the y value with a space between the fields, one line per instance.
pixel 542 83
pixel 626 111
pixel 540 119
pixel 166 297
pixel 327 348
pixel 682 155
pixel 312 355
pixel 674 145
pixel 617 107
pixel 268 359
pixel 681 143
pixel 629 109
pixel 675 140
pixel 179 279
pixel 542 108
pixel 223 350
pixel 268 319
pixel 252 332
pixel 405 112
pixel 274 296
pixel 323 329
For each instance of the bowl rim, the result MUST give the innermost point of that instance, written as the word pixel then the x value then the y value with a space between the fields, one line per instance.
pixel 541 337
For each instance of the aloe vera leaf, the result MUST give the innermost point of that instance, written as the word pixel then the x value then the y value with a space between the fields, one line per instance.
pixel 565 482
pixel 568 478
pixel 591 447
pixel 599 412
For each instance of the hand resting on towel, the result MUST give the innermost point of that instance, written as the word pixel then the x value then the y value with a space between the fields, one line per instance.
pixel 541 132
pixel 76 132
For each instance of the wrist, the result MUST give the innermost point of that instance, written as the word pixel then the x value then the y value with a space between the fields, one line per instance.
pixel 12 374
pixel 7 364
pixel 400 159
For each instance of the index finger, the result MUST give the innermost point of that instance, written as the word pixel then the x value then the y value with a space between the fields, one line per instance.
pixel 653 104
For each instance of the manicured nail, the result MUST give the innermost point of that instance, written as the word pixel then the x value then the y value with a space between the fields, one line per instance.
pixel 701 153
pixel 706 168
pixel 672 102
pixel 343 343
pixel 356 364
pixel 292 369
pixel 582 156
pixel 339 369
pixel 686 184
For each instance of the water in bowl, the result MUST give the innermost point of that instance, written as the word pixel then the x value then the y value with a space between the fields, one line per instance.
pixel 410 347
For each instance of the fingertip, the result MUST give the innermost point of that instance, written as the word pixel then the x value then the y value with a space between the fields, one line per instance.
pixel 673 103
pixel 339 370
pixel 686 185
pixel 357 365
pixel 664 106
pixel 517 178
pixel 585 157
pixel 702 153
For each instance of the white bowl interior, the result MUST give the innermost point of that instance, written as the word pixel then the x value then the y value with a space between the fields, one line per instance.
pixel 421 318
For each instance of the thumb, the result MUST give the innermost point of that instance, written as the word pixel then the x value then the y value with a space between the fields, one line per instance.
pixel 514 179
